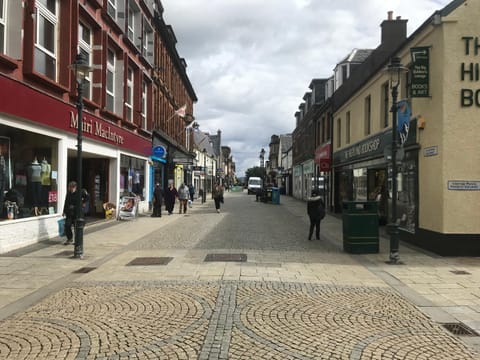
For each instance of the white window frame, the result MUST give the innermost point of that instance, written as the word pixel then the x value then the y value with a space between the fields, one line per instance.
pixel 129 96
pixel 144 113
pixel 110 69
pixel 134 27
pixel 86 47
pixel 54 19
pixel 112 5
pixel 3 25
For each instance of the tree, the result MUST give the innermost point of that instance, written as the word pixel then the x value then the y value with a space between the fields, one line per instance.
pixel 256 171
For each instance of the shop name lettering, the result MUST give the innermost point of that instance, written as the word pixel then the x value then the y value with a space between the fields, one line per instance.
pixel 470 71
pixel 362 149
pixel 95 128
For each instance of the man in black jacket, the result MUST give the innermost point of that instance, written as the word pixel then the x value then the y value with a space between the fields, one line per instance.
pixel 69 211
pixel 316 212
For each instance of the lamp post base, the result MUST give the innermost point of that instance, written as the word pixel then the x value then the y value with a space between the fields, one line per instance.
pixel 394 258
pixel 78 250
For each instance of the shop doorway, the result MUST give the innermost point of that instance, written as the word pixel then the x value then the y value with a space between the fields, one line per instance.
pixel 94 180
pixel 377 191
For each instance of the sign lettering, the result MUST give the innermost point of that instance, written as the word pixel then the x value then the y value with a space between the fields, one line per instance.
pixel 96 128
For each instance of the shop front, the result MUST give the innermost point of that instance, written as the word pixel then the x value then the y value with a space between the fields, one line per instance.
pixel 363 173
pixel 38 154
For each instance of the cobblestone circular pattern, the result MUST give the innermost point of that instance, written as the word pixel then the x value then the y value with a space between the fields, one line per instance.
pixel 225 320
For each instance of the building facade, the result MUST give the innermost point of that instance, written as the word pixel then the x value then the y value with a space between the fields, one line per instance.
pixel 120 40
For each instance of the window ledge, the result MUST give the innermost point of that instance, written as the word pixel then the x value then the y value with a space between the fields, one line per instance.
pixel 50 84
pixel 8 62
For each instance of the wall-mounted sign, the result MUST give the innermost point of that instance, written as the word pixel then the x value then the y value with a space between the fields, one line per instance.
pixel 469 185
pixel 430 151
pixel 419 85
pixel 159 151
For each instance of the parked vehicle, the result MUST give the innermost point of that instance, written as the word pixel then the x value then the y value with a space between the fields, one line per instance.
pixel 255 184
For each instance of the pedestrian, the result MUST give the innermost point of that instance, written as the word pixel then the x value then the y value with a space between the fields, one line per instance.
pixel 183 195
pixel 191 190
pixel 157 201
pixel 218 196
pixel 69 211
pixel 171 195
pixel 316 212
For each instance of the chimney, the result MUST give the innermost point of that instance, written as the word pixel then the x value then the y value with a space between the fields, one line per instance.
pixel 394 32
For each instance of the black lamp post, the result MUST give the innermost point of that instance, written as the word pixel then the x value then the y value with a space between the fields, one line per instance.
pixel 204 195
pixel 81 68
pixel 395 69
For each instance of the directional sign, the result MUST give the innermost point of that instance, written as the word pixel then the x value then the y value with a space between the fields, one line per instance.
pixel 419 86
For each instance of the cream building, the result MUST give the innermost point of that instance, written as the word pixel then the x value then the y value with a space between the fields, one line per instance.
pixel 438 204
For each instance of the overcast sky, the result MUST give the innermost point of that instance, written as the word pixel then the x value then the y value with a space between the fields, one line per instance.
pixel 251 61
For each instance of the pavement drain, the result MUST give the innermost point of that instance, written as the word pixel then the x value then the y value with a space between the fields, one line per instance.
pixel 459 329
pixel 226 257
pixel 145 261
pixel 84 270
pixel 460 272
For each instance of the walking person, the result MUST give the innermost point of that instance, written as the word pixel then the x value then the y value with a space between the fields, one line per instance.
pixel 183 195
pixel 191 190
pixel 157 201
pixel 218 196
pixel 316 212
pixel 69 211
pixel 171 195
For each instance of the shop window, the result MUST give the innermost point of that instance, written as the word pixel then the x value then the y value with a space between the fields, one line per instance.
pixel 407 193
pixel 46 38
pixel 132 176
pixel 360 184
pixel 28 174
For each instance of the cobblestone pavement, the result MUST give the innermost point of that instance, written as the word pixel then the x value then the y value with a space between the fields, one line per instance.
pixel 225 320
pixel 290 298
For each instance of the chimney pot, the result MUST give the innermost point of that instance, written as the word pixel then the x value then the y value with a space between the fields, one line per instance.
pixel 390 15
pixel 399 17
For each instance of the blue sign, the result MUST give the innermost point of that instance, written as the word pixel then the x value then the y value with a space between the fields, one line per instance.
pixel 159 151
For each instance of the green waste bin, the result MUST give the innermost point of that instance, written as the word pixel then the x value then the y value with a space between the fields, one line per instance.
pixel 360 227
pixel 275 195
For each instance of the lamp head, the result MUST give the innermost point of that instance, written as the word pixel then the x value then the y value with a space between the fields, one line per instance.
pixel 81 67
pixel 395 70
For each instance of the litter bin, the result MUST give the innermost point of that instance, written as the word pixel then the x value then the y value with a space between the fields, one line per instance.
pixel 360 227
pixel 275 195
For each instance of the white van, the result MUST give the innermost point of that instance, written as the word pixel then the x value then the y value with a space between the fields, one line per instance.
pixel 254 185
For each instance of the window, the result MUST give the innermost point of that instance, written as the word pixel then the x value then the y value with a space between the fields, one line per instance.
pixel 347 130
pixel 112 8
pixel 144 113
pixel 129 99
pixel 3 5
pixel 134 24
pixel 339 132
pixel 111 63
pixel 385 109
pixel 85 48
pixel 368 115
pixel 46 37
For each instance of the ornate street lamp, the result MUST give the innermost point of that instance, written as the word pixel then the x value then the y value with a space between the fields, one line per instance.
pixel 262 158
pixel 395 71
pixel 204 195
pixel 81 69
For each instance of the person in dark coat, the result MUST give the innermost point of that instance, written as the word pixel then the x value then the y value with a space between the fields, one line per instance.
pixel 171 195
pixel 316 212
pixel 157 201
pixel 69 211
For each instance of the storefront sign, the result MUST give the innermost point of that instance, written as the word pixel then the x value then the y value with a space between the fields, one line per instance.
pixel 363 148
pixel 93 127
pixel 419 85
pixel 159 151
pixel 323 158
pixel 472 185
pixel 470 72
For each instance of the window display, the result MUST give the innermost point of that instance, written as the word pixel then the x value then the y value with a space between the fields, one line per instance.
pixel 27 183
pixel 132 176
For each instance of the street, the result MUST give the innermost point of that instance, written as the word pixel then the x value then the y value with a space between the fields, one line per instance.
pixel 242 284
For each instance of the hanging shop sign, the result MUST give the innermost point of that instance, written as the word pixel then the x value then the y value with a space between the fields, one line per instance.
pixel 323 158
pixel 159 151
pixel 420 73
